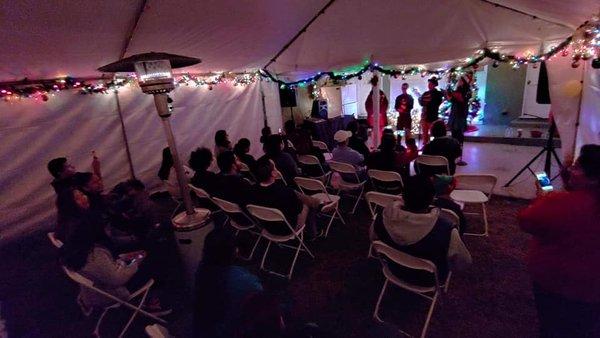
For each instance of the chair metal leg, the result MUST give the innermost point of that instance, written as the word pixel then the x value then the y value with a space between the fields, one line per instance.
pixel 447 284
pixel 429 314
pixel 362 189
pixel 135 312
pixel 376 312
pixel 291 271
pixel 485 220
pixel 96 332
pixel 340 215
pixel 262 263
pixel 329 224
pixel 370 254
pixel 249 257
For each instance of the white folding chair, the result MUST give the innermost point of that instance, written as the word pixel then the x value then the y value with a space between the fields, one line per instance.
pixel 263 214
pixel 475 189
pixel 435 163
pixel 377 200
pixel 385 181
pixel 389 255
pixel 239 220
pixel 450 216
pixel 244 169
pixel 349 169
pixel 279 176
pixel 316 189
pixel 324 148
pixel 142 292
pixel 55 241
pixel 311 161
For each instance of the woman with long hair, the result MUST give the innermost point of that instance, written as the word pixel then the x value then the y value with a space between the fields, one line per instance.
pixel 222 142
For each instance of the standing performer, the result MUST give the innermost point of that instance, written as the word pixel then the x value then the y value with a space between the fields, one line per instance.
pixel 460 110
pixel 404 105
pixel 430 101
pixel 383 107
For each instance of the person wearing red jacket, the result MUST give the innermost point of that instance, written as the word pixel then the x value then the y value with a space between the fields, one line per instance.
pixel 383 107
pixel 564 255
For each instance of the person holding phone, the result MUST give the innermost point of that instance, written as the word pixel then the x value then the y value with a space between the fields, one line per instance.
pixel 564 252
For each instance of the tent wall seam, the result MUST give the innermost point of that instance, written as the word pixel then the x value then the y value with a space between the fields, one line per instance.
pixel 124 133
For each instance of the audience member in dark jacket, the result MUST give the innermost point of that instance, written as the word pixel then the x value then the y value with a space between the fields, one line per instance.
pixel 232 186
pixel 284 162
pixel 355 141
pixel 443 145
pixel 242 150
pixel 200 161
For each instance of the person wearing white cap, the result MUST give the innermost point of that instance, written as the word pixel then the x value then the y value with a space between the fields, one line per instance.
pixel 343 153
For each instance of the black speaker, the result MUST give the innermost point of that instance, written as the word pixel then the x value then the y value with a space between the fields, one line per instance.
pixel 319 109
pixel 543 88
pixel 287 97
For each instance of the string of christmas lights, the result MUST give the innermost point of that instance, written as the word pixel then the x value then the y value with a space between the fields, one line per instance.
pixel 585 43
pixel 43 90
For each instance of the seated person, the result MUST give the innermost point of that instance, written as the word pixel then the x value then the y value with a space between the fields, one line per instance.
pixel 231 186
pixel 168 175
pixel 74 212
pixel 356 142
pixel 343 153
pixel 386 157
pixel 241 150
pixel 222 142
pixel 200 161
pixel 272 193
pixel 443 145
pixel 416 229
pixel 412 152
pixel 221 287
pixel 264 135
pixel 88 253
pixel 63 172
pixel 284 162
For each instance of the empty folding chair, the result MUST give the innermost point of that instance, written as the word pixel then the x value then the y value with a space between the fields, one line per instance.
pixel 142 293
pixel 55 241
pixel 271 215
pixel 385 181
pixel 389 256
pixel 432 165
pixel 344 185
pixel 239 220
pixel 316 189
pixel 324 148
pixel 475 189
pixel 377 200
pixel 311 167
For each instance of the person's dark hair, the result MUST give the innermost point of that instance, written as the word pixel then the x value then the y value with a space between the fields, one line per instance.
pixel 166 164
pixel 225 161
pixel 289 126
pixel 200 159
pixel 411 141
pixel 242 147
pixel 80 180
pixel 388 143
pixel 266 131
pixel 273 145
pixel 388 131
pixel 221 139
pixel 264 169
pixel 219 248
pixel 374 80
pixel 261 317
pixel 589 160
pixel 352 126
pixel 438 128
pixel 56 166
pixel 418 193
pixel 433 80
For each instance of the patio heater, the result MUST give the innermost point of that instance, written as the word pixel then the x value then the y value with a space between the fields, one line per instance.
pixel 154 76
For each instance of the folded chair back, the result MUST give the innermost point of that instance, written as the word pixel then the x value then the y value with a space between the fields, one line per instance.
pixel 389 254
pixel 433 164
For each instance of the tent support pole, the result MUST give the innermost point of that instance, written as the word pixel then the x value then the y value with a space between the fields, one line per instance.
pixel 525 13
pixel 574 149
pixel 129 37
pixel 264 107
pixel 124 133
pixel 302 31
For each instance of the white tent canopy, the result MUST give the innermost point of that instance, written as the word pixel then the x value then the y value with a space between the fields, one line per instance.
pixel 50 39
pixel 57 38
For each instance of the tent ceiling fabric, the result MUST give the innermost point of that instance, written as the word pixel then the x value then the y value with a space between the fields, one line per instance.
pixel 57 38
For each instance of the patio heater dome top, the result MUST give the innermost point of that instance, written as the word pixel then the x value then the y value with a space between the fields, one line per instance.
pixel 128 64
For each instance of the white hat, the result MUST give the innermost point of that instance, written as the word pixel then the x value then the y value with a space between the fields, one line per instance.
pixel 342 135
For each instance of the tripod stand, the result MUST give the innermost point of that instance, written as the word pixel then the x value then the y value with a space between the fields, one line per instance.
pixel 549 151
